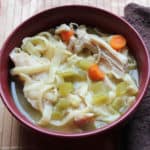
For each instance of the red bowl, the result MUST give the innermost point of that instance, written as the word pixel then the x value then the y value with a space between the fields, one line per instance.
pixel 91 16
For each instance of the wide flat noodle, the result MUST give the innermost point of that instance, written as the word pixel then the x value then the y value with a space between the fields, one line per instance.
pixel 30 69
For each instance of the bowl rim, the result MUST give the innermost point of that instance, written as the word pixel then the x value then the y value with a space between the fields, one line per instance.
pixel 88 133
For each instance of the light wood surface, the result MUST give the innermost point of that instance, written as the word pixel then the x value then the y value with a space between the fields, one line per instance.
pixel 12 12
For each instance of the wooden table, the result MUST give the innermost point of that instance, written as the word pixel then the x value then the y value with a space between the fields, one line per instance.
pixel 12 12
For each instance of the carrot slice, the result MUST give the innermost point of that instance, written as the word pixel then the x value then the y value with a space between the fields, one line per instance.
pixel 95 73
pixel 117 42
pixel 66 35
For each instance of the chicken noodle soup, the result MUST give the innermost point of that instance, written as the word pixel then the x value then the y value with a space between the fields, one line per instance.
pixel 74 78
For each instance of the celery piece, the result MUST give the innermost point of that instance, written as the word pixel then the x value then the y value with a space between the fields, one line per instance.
pixel 132 66
pixel 81 75
pixel 65 88
pixel 73 74
pixel 117 103
pixel 84 64
pixel 100 98
pixel 68 73
pixel 56 115
pixel 112 110
pixel 132 91
pixel 75 103
pixel 62 104
pixel 121 88
pixel 60 108
pixel 98 87
pixel 74 100
pixel 131 63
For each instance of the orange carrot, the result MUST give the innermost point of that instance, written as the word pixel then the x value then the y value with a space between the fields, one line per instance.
pixel 117 42
pixel 95 73
pixel 66 35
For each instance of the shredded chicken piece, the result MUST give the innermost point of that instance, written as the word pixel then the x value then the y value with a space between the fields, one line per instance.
pixel 116 61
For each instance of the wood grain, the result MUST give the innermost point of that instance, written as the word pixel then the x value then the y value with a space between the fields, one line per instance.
pixel 12 13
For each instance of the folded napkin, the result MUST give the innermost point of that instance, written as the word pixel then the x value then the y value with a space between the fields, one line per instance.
pixel 137 131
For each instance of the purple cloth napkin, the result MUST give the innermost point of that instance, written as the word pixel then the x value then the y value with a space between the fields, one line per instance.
pixel 137 132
